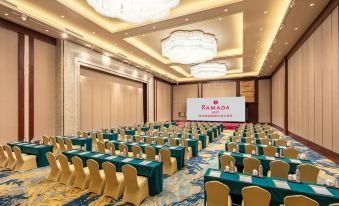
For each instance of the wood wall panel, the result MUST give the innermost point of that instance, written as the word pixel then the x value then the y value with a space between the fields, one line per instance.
pixel 180 95
pixel 163 101
pixel 108 101
pixel 8 86
pixel 278 98
pixel 219 89
pixel 313 92
pixel 264 107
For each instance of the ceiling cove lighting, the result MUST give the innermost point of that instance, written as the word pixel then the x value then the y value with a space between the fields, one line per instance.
pixel 134 11
pixel 208 70
pixel 189 47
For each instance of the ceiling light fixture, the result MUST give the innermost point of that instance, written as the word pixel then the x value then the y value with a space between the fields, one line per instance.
pixel 134 11
pixel 62 16
pixel 189 47
pixel 93 32
pixel 296 28
pixel 186 19
pixel 265 12
pixel 154 27
pixel 220 19
pixel 312 4
pixel 226 10
pixel 208 70
pixel 46 30
pixel 6 14
pixel 24 18
pixel 64 35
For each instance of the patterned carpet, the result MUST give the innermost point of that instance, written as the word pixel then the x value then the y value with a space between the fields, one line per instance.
pixel 184 188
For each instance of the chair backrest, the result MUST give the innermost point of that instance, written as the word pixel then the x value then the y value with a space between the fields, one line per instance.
pixel 2 153
pixel 54 142
pixel 45 140
pixel 51 160
pixel 255 195
pixel 165 134
pixel 249 140
pixel 160 141
pixel 250 164
pixel 225 160
pixel 308 173
pixel 270 151
pixel 136 150
pixel 93 168
pixel 279 169
pixel 290 153
pixel 265 141
pixel 262 135
pixel 110 146
pixel 9 152
pixel 101 147
pixel 129 138
pixel 110 172
pixel 275 136
pixel 79 133
pixel 69 144
pixel 281 142
pixel 150 153
pixel 174 135
pixel 249 148
pixel 138 138
pixel 18 155
pixel 216 193
pixel 231 146
pixel 148 133
pixel 299 200
pixel 149 140
pixel 130 175
pixel 100 137
pixel 185 144
pixel 78 166
pixel 235 139
pixel 173 142
pixel 85 134
pixel 165 155
pixel 63 162
pixel 61 144
pixel 123 148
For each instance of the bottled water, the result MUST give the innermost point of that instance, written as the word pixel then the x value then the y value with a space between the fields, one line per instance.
pixel 231 167
pixel 336 180
pixel 297 175
pixel 280 153
pixel 257 151
pixel 159 157
pixel 261 171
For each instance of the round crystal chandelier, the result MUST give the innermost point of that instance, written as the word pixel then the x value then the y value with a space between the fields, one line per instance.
pixel 208 70
pixel 189 47
pixel 134 11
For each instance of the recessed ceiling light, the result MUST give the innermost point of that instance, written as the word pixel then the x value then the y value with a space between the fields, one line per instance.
pixel 220 19
pixel 256 50
pixel 46 30
pixel 312 4
pixel 93 32
pixel 296 28
pixel 265 12
pixel 286 43
pixel 261 29
pixel 126 33
pixel 186 19
pixel 6 14
pixel 88 45
pixel 24 18
pixel 62 16
pixel 258 41
pixel 64 35
pixel 226 10
pixel 143 35
pixel 154 27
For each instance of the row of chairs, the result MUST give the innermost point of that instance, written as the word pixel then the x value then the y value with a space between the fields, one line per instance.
pixel 15 160
pixel 308 173
pixel 289 152
pixel 263 141
pixel 106 181
pixel 217 194
pixel 59 144
pixel 169 163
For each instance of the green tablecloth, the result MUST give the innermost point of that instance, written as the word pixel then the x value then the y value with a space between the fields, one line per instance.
pixel 81 141
pixel 110 136
pixel 265 161
pixel 277 194
pixel 243 139
pixel 260 147
pixel 176 152
pixel 129 132
pixel 209 134
pixel 153 170
pixel 34 149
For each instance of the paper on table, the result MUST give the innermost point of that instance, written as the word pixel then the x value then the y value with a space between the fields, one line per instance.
pixel 71 151
pixel 281 184
pixel 83 153
pixel 133 143
pixel 111 157
pixel 295 161
pixel 269 158
pixel 127 160
pixel 245 178
pixel 227 153
pixel 321 190
pixel 145 144
pixel 38 146
pixel 158 146
pixel 98 155
pixel 215 174
pixel 145 162
pixel 172 148
pixel 247 155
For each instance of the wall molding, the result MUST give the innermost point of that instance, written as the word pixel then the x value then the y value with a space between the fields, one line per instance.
pixel 21 86
pixel 31 87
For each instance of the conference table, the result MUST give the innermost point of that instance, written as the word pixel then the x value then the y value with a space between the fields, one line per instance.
pixel 279 188
pixel 202 137
pixel 260 147
pixel 177 152
pixel 150 169
pixel 81 141
pixel 243 139
pixel 110 135
pixel 265 161
pixel 34 149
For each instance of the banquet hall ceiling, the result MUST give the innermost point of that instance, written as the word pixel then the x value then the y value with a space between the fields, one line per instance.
pixel 253 35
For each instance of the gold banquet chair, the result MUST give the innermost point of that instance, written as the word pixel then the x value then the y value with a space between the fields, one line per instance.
pixel 24 163
pixel 231 146
pixel 249 140
pixel 136 189
pixel 150 153
pixel 79 133
pixel 94 142
pixel 264 141
pixel 217 194
pixel 54 166
pixel 149 140
pixel 11 158
pixel 249 148
pixel 160 141
pixel 3 157
pixel 115 182
pixel 280 143
pixel 254 196
pixel 169 166
pixel 45 140
pixel 173 142
pixel 251 164
pixel 275 136
pixel 70 146
pixel 56 147
pixel 82 177
pixel 278 169
pixel 308 173
pixel 138 139
pixel 97 177
pixel 136 150
pixel 124 148
pixel 235 139
pixel 100 137
pixel 67 174
pixel 270 151
pixel 61 143
pixel 188 150
pixel 196 136
pixel 102 148
pixel 290 153
pixel 225 160
pixel 110 146
pixel 299 200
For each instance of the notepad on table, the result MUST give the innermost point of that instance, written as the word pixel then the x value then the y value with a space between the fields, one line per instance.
pixel 145 145
pixel 172 148
pixel 295 161
pixel 127 160
pixel 321 190
pixel 72 151
pixel 269 158
pixel 281 184
pixel 245 178
pixel 83 153
pixel 158 146
pixel 247 155
pixel 111 157
pixel 39 146
pixel 144 162
pixel 227 153
pixel 98 155
pixel 215 174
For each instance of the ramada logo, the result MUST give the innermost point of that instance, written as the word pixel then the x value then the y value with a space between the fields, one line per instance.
pixel 215 106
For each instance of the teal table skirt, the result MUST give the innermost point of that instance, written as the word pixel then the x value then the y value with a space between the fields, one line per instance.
pixel 111 136
pixel 144 129
pixel 260 147
pixel 153 170
pixel 82 142
pixel 129 132
pixel 243 139
pixel 34 149
pixel 267 183
pixel 177 152
pixel 209 134
pixel 265 161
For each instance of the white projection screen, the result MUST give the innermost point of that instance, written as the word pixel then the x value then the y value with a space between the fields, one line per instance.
pixel 226 109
